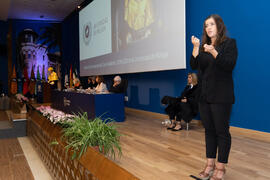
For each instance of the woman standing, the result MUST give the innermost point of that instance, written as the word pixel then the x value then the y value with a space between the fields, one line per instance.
pixel 215 59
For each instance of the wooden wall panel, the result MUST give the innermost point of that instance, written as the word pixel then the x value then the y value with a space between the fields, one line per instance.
pixel 92 165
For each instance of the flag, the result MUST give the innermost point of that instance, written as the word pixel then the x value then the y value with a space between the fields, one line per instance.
pixel 43 74
pixel 32 85
pixel 14 85
pixel 38 74
pixel 70 77
pixel 25 82
pixel 76 73
pixel 66 79
pixel 38 79
pixel 74 78
pixel 19 81
pixel 39 88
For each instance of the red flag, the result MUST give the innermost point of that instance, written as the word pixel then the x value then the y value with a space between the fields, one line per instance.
pixel 25 82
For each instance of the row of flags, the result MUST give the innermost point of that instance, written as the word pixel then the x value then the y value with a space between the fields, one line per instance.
pixel 22 84
pixel 70 79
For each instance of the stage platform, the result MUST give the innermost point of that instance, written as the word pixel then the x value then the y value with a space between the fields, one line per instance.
pixel 152 152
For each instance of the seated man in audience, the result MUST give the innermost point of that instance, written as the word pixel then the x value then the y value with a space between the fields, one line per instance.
pixel 117 86
pixel 184 107
pixel 101 86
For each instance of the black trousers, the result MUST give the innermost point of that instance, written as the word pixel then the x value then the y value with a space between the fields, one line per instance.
pixel 179 111
pixel 215 119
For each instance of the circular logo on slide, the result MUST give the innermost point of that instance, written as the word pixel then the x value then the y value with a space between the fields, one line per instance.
pixel 87 33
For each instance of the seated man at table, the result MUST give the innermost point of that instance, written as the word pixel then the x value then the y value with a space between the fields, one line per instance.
pixel 117 86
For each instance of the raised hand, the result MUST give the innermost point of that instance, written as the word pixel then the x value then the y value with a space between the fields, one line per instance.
pixel 195 41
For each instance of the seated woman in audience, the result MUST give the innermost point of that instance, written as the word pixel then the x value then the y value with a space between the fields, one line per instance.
pixel 101 86
pixel 117 86
pixel 186 106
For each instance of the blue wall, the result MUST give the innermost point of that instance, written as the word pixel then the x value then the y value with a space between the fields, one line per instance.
pixel 247 22
pixel 3 56
pixel 70 43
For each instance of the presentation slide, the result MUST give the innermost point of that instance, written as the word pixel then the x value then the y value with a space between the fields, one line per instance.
pixel 95 29
pixel 129 36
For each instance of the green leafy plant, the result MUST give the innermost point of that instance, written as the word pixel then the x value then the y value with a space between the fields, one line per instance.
pixel 97 133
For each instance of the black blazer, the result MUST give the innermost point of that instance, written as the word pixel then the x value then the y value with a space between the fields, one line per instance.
pixel 215 75
pixel 120 88
pixel 90 85
pixel 117 89
pixel 191 96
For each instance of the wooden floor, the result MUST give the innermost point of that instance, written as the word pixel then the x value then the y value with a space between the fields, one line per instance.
pixel 4 121
pixel 152 152
pixel 13 165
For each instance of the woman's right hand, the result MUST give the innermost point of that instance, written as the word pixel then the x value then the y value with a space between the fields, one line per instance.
pixel 195 41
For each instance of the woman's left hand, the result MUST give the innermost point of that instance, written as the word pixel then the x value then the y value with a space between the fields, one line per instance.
pixel 208 48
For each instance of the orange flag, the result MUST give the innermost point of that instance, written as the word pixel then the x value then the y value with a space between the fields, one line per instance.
pixel 70 77
pixel 14 86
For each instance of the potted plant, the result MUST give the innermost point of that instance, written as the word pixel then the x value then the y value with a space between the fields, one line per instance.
pixel 18 104
pixel 82 133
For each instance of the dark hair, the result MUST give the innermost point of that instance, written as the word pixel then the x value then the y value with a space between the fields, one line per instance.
pixel 221 31
pixel 101 78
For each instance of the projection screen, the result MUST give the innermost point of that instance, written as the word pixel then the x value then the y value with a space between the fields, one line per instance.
pixel 129 36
